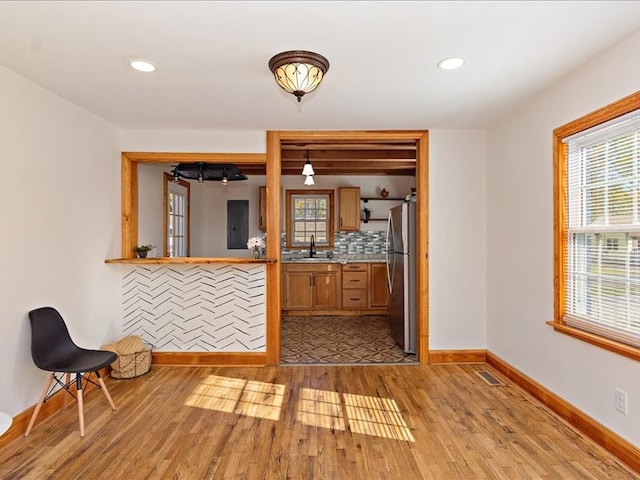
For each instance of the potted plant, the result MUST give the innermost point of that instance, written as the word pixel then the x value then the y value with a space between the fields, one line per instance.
pixel 142 250
pixel 366 215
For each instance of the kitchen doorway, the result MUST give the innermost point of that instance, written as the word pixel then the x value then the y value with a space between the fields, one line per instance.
pixel 279 164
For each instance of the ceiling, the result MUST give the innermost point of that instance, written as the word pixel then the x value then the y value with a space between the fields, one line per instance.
pixel 212 63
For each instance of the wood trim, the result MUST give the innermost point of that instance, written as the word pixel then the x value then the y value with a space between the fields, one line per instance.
pixel 188 260
pixel 560 235
pixel 226 359
pixel 57 402
pixel 597 340
pixel 606 438
pixel 175 157
pixel 422 242
pixel 601 115
pixel 457 356
pixel 129 206
pixel 273 222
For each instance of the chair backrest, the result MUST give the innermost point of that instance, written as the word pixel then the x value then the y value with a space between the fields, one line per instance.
pixel 50 339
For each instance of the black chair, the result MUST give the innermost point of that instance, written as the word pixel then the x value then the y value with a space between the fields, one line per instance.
pixel 53 350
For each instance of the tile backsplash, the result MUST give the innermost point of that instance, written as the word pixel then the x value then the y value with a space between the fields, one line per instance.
pixel 354 243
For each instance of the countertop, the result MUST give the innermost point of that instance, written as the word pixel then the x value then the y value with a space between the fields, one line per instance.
pixel 343 259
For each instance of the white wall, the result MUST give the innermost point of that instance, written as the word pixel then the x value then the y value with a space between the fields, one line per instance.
pixel 520 245
pixel 209 215
pixel 150 206
pixel 457 239
pixel 60 221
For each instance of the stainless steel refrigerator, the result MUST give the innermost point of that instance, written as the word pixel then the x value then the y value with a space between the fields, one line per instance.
pixel 401 274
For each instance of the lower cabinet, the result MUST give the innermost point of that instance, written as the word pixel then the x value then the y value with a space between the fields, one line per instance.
pixel 378 286
pixel 311 287
pixel 354 285
pixel 350 289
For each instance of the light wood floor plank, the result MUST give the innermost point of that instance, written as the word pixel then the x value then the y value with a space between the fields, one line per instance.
pixel 310 422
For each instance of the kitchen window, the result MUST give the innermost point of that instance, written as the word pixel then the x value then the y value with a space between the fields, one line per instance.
pixel 597 227
pixel 309 212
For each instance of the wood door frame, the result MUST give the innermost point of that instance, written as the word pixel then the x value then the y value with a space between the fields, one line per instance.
pixel 273 157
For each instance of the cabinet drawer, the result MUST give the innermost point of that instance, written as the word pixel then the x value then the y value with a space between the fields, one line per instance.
pixel 354 267
pixel 354 280
pixel 354 298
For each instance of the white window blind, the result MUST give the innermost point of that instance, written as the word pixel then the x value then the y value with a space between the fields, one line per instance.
pixel 602 263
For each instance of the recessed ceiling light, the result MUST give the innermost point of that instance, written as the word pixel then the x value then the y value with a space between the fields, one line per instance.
pixel 450 63
pixel 142 65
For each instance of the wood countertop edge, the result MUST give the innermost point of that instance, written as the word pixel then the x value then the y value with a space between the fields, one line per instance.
pixel 187 260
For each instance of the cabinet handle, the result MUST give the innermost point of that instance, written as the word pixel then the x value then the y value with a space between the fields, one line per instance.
pixel 354 281
pixel 340 221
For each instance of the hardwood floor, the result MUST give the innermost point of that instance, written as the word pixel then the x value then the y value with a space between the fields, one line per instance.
pixel 310 422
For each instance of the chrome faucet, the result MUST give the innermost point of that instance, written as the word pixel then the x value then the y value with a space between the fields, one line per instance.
pixel 312 247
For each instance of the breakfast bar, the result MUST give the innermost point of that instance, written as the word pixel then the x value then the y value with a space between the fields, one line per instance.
pixel 187 304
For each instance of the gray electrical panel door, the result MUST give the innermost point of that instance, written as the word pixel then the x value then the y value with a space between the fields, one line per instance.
pixel 237 224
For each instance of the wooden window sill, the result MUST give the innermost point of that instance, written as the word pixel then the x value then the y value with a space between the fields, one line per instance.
pixel 602 342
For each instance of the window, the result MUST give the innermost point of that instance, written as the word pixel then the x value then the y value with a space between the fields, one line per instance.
pixel 309 212
pixel 176 230
pixel 597 207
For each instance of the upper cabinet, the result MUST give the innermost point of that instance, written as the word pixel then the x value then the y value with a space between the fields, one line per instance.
pixel 349 209
pixel 262 209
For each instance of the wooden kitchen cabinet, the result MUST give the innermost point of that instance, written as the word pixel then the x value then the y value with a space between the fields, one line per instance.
pixel 311 287
pixel 354 285
pixel 349 209
pixel 262 209
pixel 378 286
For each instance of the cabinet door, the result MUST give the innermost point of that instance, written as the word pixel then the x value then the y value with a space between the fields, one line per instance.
pixel 326 291
pixel 262 209
pixel 378 289
pixel 349 208
pixel 298 291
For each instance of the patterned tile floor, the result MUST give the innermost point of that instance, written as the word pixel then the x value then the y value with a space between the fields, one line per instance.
pixel 339 340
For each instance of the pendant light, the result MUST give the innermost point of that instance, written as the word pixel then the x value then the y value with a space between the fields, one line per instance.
pixel 308 168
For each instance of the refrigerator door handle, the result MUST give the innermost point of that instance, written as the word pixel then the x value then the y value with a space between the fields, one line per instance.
pixel 387 251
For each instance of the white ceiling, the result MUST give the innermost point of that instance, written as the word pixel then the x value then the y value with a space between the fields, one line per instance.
pixel 212 58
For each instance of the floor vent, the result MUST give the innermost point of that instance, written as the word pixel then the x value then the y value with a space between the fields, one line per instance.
pixel 489 378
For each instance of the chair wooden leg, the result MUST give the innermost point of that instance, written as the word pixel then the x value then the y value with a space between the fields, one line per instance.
pixel 80 403
pixel 47 385
pixel 106 392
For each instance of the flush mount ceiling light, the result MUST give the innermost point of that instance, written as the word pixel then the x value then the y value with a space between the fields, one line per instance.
pixel 142 65
pixel 298 72
pixel 450 63
pixel 208 172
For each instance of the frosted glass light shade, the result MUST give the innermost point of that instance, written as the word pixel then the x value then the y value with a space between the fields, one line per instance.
pixel 308 169
pixel 298 72
pixel 309 180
